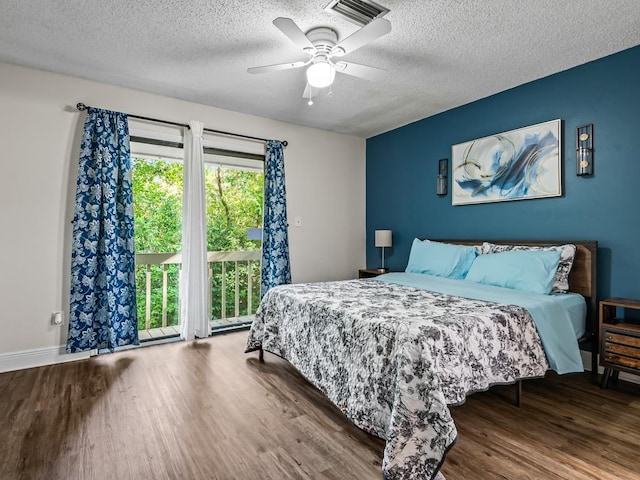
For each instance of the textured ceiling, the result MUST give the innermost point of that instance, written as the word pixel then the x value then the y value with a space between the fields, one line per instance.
pixel 439 55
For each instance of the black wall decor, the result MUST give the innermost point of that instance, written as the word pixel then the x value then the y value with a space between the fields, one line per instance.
pixel 443 170
pixel 584 150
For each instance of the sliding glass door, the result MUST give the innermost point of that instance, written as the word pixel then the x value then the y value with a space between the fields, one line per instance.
pixel 234 192
pixel 157 203
pixel 234 220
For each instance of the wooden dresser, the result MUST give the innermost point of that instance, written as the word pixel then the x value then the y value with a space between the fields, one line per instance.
pixel 619 338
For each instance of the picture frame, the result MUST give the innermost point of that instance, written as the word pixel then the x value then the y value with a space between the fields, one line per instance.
pixel 519 164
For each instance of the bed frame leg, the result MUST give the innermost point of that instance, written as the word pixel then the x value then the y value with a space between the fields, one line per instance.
pixel 261 355
pixel 518 393
pixel 594 358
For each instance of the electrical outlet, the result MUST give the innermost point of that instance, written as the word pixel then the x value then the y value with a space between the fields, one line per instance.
pixel 57 319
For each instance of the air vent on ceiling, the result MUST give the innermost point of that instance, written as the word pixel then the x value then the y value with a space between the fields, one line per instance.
pixel 359 12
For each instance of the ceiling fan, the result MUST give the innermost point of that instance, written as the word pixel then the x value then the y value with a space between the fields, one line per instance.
pixel 324 51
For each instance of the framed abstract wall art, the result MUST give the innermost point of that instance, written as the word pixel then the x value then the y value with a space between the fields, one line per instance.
pixel 515 165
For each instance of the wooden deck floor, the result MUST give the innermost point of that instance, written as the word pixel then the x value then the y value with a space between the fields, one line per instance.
pixel 174 331
pixel 204 410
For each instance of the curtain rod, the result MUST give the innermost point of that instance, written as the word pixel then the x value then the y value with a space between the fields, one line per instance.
pixel 82 107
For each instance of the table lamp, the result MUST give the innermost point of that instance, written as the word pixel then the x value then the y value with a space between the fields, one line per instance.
pixel 383 239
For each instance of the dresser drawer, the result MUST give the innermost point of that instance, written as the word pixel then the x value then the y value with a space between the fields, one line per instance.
pixel 620 348
pixel 611 359
pixel 611 336
pixel 625 350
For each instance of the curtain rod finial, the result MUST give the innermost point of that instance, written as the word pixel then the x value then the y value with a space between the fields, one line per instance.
pixel 81 106
pixel 285 143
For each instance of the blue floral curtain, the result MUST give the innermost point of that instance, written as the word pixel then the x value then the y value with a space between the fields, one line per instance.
pixel 276 268
pixel 102 311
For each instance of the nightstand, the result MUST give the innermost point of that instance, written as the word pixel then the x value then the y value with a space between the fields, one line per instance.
pixel 619 339
pixel 370 272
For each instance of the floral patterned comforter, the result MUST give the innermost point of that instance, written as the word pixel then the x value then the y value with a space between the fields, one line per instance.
pixel 392 358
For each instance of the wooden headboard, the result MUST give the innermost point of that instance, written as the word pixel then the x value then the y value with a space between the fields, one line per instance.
pixel 582 279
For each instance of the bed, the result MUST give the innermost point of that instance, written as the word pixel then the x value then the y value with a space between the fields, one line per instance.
pixel 394 352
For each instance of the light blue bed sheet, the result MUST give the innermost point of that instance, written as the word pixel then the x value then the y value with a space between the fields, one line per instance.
pixel 560 318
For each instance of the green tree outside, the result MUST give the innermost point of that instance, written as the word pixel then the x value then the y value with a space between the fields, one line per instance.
pixel 234 203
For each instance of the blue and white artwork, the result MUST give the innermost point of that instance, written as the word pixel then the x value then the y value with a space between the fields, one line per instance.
pixel 515 165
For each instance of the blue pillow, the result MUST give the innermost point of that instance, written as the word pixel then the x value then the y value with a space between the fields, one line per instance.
pixel 441 259
pixel 530 271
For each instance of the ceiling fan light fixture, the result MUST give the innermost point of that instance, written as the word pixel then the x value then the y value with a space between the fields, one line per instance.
pixel 321 74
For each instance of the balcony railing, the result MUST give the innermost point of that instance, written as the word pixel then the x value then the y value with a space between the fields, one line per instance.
pixel 233 290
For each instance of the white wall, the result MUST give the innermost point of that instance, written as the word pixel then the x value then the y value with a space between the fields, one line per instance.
pixel 39 143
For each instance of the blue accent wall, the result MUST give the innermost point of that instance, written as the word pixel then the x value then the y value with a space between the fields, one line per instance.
pixel 402 166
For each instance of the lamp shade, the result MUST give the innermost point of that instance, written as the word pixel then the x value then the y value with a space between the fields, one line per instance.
pixel 321 74
pixel 383 238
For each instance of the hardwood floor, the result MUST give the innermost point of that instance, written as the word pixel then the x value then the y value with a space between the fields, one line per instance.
pixel 205 410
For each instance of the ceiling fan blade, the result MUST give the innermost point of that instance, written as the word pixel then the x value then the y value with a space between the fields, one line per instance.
pixel 366 34
pixel 274 68
pixel 291 30
pixel 360 71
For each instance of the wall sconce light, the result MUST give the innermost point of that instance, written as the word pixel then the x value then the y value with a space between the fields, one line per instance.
pixel 383 239
pixel 443 170
pixel 584 150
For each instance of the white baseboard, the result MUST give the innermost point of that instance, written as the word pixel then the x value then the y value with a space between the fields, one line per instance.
pixel 38 357
pixel 627 377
